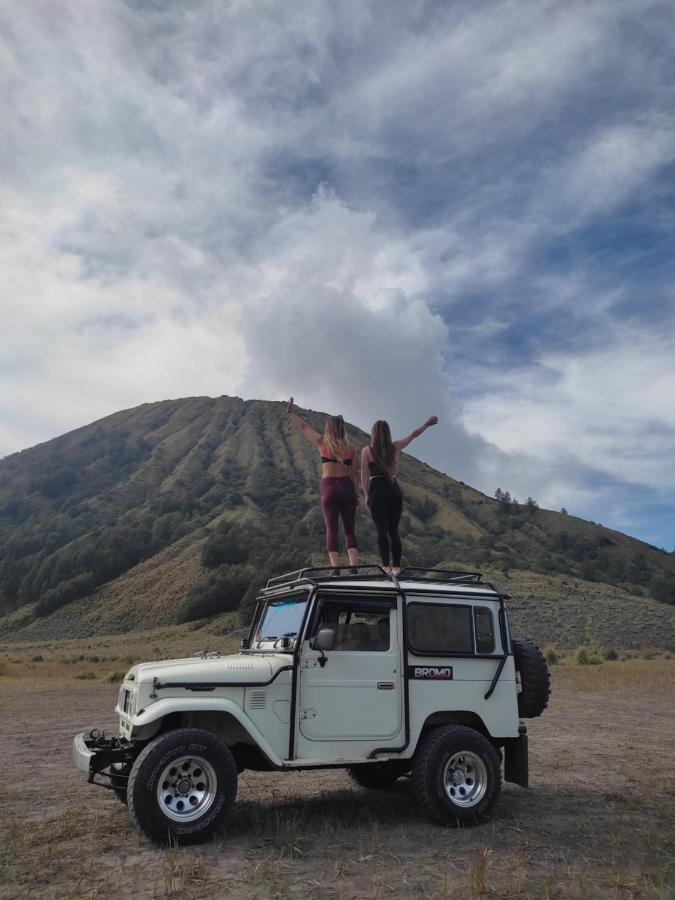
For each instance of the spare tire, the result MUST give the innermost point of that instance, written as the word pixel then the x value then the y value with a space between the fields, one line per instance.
pixel 535 681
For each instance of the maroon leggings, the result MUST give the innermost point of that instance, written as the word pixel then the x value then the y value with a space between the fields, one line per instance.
pixel 338 498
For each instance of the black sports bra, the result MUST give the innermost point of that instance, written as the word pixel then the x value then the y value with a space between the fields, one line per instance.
pixel 329 459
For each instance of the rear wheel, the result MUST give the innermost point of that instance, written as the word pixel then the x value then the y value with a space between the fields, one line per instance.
pixel 456 777
pixel 378 776
pixel 182 786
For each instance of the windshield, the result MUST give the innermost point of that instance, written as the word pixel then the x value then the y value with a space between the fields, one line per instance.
pixel 282 618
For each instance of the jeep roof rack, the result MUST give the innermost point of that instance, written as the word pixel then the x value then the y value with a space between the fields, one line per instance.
pixel 421 573
pixel 312 573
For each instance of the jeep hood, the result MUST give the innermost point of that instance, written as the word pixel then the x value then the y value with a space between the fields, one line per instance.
pixel 237 669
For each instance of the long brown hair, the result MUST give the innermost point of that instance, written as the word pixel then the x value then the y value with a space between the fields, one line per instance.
pixel 335 437
pixel 382 448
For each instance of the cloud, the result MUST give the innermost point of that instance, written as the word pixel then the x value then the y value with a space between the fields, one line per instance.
pixel 385 208
pixel 321 332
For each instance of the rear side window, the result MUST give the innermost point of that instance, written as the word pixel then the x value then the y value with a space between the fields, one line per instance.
pixel 485 632
pixel 440 629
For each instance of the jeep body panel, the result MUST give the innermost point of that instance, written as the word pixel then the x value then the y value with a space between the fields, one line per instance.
pixel 224 709
pixel 254 690
pixel 235 669
pixel 459 683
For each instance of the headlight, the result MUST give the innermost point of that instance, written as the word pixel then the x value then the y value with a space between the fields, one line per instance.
pixel 127 702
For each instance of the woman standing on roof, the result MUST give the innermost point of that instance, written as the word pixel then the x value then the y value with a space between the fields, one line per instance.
pixel 383 495
pixel 339 493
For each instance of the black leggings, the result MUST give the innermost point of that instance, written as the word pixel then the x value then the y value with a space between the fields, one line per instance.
pixel 386 504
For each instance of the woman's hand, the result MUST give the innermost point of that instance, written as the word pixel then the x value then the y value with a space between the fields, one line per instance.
pixel 432 420
pixel 289 406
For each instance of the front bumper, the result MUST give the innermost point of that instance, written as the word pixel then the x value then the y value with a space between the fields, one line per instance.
pixel 81 753
pixel 95 754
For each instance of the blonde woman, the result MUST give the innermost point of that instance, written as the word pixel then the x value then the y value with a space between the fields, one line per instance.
pixel 339 495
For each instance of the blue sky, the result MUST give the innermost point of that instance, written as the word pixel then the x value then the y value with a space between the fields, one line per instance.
pixel 388 209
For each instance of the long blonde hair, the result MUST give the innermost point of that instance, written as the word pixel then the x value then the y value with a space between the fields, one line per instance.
pixel 335 437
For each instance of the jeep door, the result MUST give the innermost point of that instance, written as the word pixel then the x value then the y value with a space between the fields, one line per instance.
pixel 353 691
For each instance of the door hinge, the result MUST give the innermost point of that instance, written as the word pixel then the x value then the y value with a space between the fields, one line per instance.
pixel 308 714
pixel 309 664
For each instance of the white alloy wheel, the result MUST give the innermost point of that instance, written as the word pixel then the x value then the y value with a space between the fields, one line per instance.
pixel 186 788
pixel 465 779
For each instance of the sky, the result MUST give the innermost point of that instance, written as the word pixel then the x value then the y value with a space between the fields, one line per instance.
pixel 387 208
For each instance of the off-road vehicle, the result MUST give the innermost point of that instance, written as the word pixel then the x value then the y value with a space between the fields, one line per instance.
pixel 415 677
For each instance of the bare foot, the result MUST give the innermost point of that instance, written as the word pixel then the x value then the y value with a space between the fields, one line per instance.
pixel 387 569
pixel 396 570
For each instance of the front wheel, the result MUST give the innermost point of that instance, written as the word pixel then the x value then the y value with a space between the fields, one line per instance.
pixel 182 786
pixel 456 775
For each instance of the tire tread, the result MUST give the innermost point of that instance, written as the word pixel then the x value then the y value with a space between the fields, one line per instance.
pixel 187 734
pixel 535 678
pixel 421 781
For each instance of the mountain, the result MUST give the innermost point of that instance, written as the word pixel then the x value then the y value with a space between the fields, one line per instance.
pixel 180 509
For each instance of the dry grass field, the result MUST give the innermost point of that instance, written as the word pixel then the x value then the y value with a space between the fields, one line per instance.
pixel 597 821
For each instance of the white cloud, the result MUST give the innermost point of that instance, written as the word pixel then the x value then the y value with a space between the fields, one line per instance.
pixel 191 192
pixel 610 407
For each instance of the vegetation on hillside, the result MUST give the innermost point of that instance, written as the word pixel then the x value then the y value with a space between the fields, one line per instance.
pixel 82 510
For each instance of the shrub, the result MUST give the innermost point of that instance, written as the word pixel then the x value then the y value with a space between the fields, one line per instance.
pixel 551 656
pixel 65 593
pixel 662 588
pixel 220 593
pixel 610 654
pixel 584 658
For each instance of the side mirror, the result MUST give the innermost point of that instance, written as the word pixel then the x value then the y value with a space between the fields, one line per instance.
pixel 323 640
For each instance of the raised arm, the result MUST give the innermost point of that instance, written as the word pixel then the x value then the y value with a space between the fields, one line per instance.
pixel 307 430
pixel 403 442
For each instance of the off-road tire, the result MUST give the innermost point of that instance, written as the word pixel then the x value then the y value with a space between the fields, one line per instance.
pixel 378 776
pixel 456 749
pixel 171 814
pixel 535 681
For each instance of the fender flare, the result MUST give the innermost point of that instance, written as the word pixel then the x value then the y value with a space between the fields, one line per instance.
pixel 161 708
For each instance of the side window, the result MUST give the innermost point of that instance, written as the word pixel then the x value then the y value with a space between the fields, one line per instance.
pixel 433 628
pixel 485 632
pixel 357 626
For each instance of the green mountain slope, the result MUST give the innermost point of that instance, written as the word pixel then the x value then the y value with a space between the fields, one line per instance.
pixel 180 509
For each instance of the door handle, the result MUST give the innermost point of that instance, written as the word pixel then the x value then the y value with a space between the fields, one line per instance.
pixel 385 685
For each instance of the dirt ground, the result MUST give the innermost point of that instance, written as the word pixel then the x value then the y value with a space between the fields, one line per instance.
pixel 597 821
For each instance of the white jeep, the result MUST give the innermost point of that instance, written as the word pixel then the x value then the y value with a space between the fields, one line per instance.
pixel 415 676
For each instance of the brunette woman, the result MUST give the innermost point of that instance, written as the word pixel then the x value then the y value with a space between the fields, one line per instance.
pixel 383 495
pixel 339 494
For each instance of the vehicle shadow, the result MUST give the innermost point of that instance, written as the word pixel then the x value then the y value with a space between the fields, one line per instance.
pixel 333 809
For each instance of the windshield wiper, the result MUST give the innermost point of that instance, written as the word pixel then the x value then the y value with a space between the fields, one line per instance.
pixel 270 637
